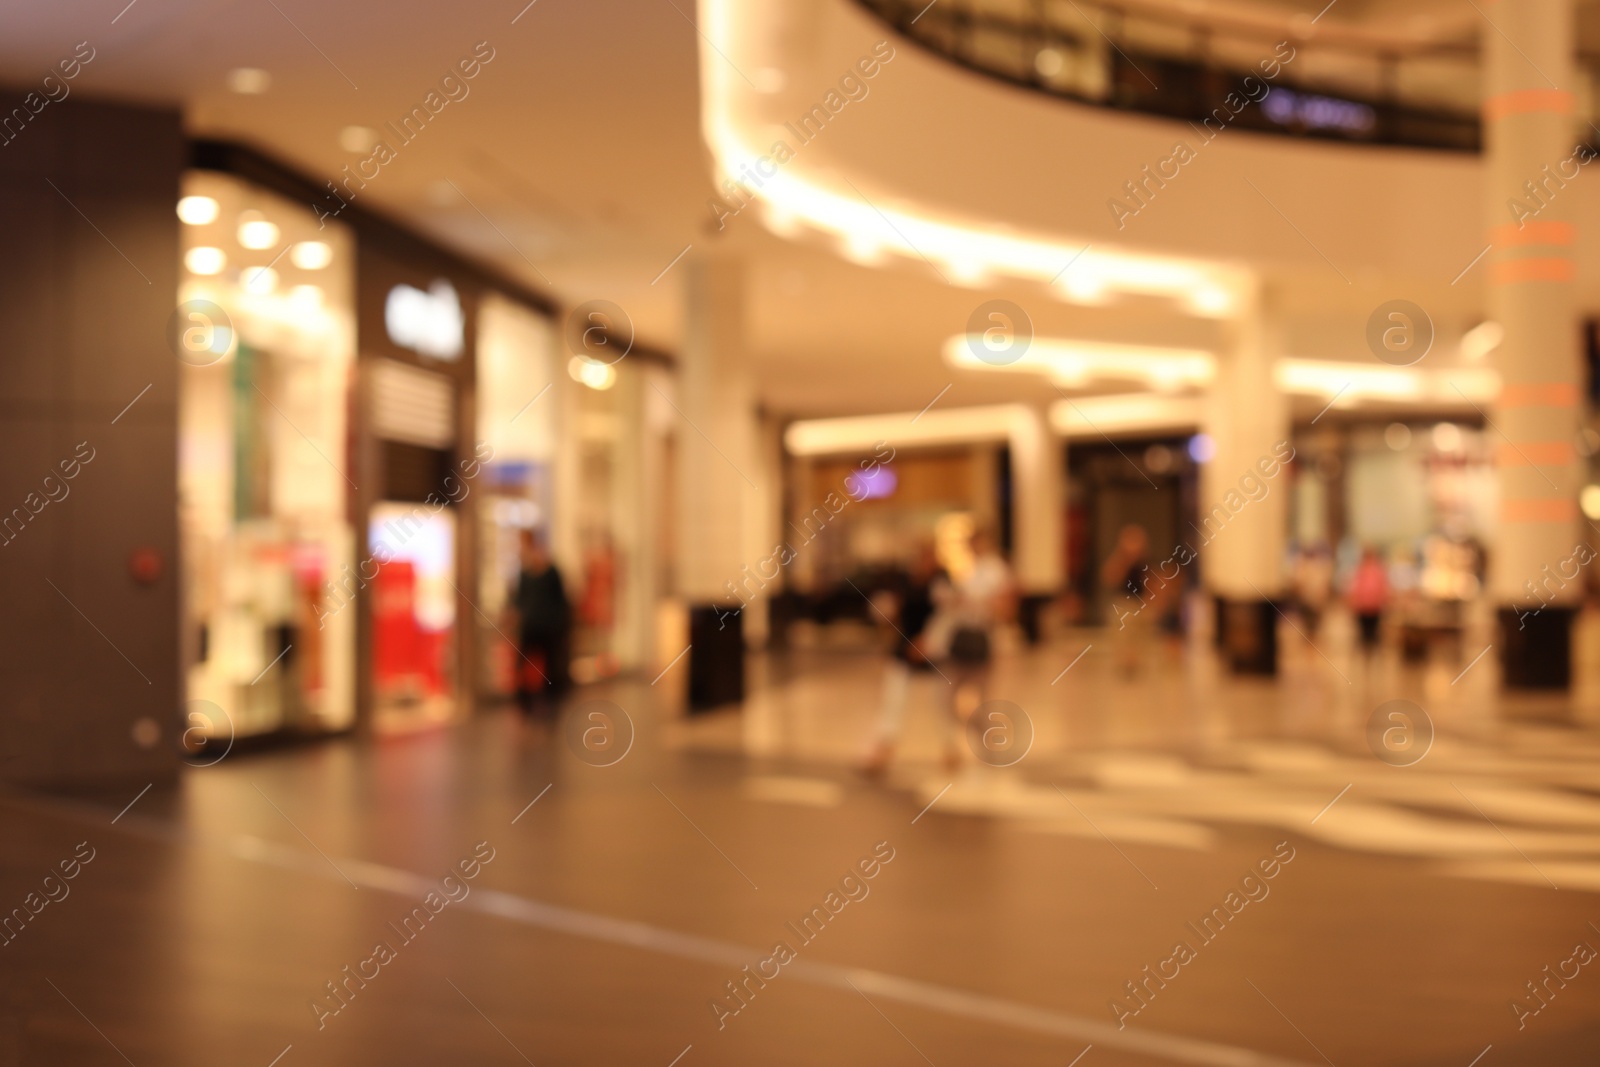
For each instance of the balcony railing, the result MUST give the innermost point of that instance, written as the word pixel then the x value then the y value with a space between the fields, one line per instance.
pixel 1337 86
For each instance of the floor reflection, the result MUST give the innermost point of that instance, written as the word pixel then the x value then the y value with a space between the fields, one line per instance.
pixel 1506 788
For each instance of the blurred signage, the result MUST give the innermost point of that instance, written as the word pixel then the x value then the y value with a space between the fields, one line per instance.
pixel 874 484
pixel 429 323
pixel 1311 112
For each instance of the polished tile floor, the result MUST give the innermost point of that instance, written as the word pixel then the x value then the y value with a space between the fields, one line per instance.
pixel 1232 849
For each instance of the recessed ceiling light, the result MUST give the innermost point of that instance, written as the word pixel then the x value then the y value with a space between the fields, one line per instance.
pixel 593 373
pixel 358 139
pixel 1589 501
pixel 1083 287
pixel 197 210
pixel 1482 339
pixel 781 221
pixel 249 81
pixel 861 248
pixel 311 255
pixel 259 280
pixel 1211 301
pixel 305 298
pixel 256 232
pixel 968 272
pixel 205 260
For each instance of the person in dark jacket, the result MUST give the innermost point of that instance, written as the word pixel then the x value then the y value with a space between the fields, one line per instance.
pixel 920 594
pixel 544 624
pixel 1126 576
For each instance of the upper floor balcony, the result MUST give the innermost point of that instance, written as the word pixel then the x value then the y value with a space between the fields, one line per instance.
pixel 1370 74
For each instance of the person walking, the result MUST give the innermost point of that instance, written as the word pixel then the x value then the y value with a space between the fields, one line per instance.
pixel 919 644
pixel 544 625
pixel 1368 596
pixel 984 598
pixel 1126 574
pixel 1313 586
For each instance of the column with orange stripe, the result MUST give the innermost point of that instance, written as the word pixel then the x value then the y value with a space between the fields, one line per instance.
pixel 1528 132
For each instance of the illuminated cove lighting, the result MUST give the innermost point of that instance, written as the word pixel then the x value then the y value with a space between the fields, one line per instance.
pixel 963 254
pixel 862 433
pixel 1078 363
pixel 1092 417
pixel 1127 413
pixel 1088 417
pixel 1354 382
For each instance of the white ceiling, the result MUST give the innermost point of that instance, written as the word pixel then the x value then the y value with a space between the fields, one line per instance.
pixel 576 164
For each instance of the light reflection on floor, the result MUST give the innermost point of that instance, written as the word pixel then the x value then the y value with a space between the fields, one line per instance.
pixel 1509 791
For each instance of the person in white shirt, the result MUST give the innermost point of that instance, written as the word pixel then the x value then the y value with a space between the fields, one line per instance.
pixel 920 636
pixel 984 598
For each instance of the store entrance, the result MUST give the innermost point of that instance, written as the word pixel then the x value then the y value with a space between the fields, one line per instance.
pixel 1148 483
pixel 413 616
pixel 416 502
pixel 263 468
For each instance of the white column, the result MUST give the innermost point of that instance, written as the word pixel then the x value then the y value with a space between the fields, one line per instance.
pixel 717 470
pixel 716 443
pixel 1529 133
pixel 1243 512
pixel 763 516
pixel 566 471
pixel 1037 499
pixel 802 575
pixel 634 506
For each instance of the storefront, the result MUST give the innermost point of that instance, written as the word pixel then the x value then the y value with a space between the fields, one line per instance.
pixel 1402 487
pixel 518 424
pixel 419 466
pixel 351 511
pixel 1422 494
pixel 266 334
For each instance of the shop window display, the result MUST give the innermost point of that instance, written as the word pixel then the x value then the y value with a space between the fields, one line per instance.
pixel 413 615
pixel 519 415
pixel 265 330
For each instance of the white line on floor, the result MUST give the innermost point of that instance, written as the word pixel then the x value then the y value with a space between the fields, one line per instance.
pixel 957 1003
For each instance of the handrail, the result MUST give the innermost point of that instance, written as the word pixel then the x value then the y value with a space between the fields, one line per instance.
pixel 1088 51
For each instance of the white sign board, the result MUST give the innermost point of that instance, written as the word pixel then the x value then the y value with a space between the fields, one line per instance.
pixel 429 323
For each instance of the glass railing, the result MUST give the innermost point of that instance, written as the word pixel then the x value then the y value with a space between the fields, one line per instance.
pixel 1339 86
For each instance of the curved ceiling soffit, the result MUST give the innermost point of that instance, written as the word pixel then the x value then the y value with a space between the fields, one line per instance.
pixel 961 250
